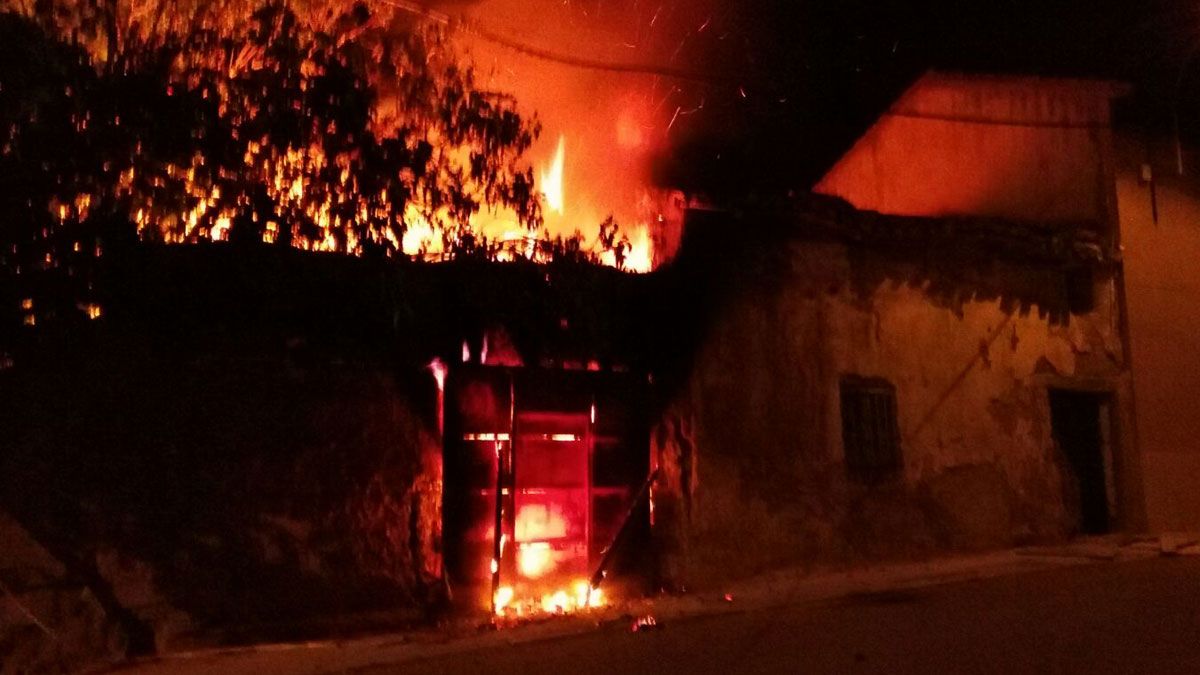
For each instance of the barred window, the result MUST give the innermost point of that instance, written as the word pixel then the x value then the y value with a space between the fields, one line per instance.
pixel 870 434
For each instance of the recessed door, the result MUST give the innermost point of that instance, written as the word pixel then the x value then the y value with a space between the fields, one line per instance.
pixel 1077 420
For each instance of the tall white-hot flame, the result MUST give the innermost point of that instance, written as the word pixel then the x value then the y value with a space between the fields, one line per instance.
pixel 552 180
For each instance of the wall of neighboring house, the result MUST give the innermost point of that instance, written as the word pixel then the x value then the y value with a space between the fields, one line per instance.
pixel 979 467
pixel 1015 147
pixel 973 377
pixel 1162 281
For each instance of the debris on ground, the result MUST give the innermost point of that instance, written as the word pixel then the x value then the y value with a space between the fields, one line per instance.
pixel 644 623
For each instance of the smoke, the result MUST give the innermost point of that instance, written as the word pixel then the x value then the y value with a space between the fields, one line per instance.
pixel 762 92
pixel 614 81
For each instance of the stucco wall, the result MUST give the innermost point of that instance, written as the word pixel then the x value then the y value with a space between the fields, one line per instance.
pixel 980 468
pixel 1162 275
pixel 1024 148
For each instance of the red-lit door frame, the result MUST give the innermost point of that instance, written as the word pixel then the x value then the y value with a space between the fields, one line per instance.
pixel 590 438
pixel 506 472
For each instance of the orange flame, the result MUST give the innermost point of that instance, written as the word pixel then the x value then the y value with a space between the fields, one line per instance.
pixel 580 596
pixel 536 525
pixel 534 559
pixel 552 180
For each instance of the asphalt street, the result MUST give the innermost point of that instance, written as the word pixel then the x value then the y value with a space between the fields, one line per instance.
pixel 1134 617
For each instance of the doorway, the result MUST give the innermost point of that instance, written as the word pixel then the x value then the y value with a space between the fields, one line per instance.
pixel 1080 425
pixel 541 469
pixel 551 512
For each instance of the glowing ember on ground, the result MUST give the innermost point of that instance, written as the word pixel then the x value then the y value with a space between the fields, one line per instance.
pixel 579 596
pixel 644 623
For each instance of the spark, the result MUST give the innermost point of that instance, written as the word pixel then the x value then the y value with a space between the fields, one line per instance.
pixel 690 111
pixel 675 54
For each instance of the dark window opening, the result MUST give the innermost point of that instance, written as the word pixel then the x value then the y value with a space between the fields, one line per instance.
pixel 870 433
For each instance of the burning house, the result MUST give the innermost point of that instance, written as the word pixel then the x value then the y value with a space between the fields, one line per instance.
pixel 929 353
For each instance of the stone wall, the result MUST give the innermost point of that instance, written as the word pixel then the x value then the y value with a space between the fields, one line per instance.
pixel 222 498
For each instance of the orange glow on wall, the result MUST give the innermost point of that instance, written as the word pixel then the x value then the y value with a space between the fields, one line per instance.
pixel 1013 147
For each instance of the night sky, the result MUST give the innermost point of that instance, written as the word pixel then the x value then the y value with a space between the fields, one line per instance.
pixel 816 74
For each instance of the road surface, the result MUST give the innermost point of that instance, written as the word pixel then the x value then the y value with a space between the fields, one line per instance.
pixel 1132 617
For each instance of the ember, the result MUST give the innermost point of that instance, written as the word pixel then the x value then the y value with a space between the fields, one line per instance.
pixel 644 623
pixel 579 597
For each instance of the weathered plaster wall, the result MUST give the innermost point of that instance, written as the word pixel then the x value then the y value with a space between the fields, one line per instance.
pixel 1163 288
pixel 1013 147
pixel 980 466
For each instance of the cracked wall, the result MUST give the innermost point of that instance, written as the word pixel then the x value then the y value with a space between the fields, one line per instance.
pixel 980 467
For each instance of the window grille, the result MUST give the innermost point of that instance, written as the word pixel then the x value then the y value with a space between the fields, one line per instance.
pixel 870 433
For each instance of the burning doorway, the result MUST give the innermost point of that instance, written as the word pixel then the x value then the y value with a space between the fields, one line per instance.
pixel 1080 424
pixel 542 470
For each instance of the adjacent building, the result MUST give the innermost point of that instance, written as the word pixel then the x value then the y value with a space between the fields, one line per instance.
pixel 942 349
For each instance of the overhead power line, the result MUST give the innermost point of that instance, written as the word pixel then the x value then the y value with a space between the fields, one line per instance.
pixel 474 28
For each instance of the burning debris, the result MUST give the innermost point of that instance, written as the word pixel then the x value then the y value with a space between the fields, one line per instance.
pixel 644 623
pixel 579 596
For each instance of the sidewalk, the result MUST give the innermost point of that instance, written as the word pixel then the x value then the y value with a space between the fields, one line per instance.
pixel 782 588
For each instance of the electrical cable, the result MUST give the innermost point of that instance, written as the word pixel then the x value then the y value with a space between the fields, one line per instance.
pixel 474 28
